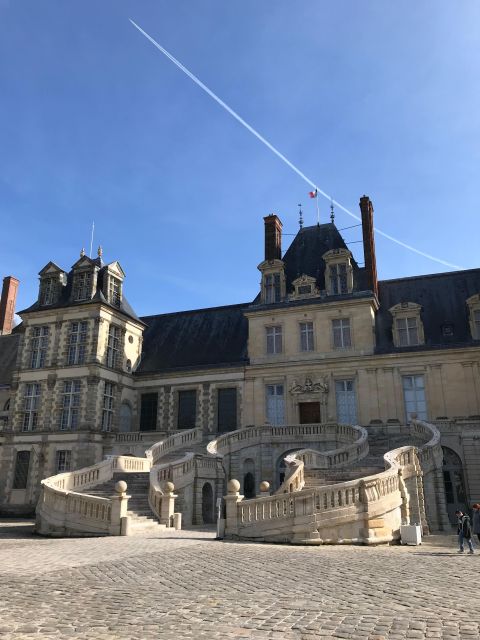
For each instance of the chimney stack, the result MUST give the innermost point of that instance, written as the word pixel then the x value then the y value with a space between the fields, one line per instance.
pixel 366 207
pixel 7 304
pixel 273 237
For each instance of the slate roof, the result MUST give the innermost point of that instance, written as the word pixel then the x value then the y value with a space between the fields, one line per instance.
pixel 204 338
pixel 305 253
pixel 8 356
pixel 65 301
pixel 443 299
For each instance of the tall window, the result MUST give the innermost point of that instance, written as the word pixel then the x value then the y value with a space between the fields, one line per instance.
pixel 414 396
pixel 82 289
pixel 148 412
pixel 272 288
pixel 114 291
pixel 70 404
pixel 346 401
pixel 338 278
pixel 107 414
pixel 227 409
pixel 187 409
pixel 274 339
pixel 342 338
pixel 77 342
pixel 22 463
pixel 39 344
pixel 63 461
pixel 476 323
pixel 407 331
pixel 275 404
pixel 30 406
pixel 113 346
pixel 306 336
pixel 47 291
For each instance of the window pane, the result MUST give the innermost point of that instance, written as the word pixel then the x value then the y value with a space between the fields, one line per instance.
pixel 227 409
pixel 148 412
pixel 21 470
pixel 187 409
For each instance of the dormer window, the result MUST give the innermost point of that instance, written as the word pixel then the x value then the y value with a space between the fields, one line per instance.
pixel 273 281
pixel 272 288
pixel 474 308
pixel 47 291
pixel 114 291
pixel 407 325
pixel 304 287
pixel 52 280
pixel 82 286
pixel 338 272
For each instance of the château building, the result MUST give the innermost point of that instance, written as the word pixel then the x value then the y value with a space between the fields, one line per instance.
pixel 83 377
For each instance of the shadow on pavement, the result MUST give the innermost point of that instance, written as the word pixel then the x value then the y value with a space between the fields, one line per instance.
pixel 16 528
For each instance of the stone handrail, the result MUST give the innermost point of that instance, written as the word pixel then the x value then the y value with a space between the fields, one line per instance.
pixel 237 440
pixel 430 455
pixel 64 509
pixel 173 442
pixel 347 454
pixel 295 479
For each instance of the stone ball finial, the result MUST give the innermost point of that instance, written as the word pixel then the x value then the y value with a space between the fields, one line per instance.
pixel 233 486
pixel 264 486
pixel 168 486
pixel 121 486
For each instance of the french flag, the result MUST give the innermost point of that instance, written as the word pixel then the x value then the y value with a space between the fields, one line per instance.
pixel 313 194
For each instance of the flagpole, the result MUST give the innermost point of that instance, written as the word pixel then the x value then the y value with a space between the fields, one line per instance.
pixel 318 209
pixel 91 238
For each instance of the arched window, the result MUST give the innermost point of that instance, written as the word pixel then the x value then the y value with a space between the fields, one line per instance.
pixel 455 493
pixel 208 515
pixel 249 478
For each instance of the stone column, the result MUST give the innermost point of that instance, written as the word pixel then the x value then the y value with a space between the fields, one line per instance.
pixel 167 506
pixel 118 516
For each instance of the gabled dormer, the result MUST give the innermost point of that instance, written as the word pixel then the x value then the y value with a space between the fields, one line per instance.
pixel 338 272
pixel 84 278
pixel 52 281
pixel 273 283
pixel 304 287
pixel 112 285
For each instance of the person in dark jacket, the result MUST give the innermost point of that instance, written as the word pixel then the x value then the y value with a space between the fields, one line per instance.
pixel 476 520
pixel 464 530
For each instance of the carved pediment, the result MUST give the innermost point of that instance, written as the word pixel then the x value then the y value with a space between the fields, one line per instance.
pixel 318 387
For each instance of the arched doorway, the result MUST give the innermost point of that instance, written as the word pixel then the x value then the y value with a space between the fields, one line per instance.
pixel 125 417
pixel 249 478
pixel 208 514
pixel 453 478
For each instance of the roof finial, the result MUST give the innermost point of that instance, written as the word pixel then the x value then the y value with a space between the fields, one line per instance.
pixel 332 212
pixel 82 252
pixel 300 216
pixel 100 251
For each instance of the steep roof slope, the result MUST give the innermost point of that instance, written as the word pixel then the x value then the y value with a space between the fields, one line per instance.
pixel 203 338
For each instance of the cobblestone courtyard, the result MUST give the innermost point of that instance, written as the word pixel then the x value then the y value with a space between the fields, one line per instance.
pixel 191 586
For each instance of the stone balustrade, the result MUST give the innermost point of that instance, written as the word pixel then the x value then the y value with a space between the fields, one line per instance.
pixel 173 442
pixel 63 508
pixel 368 510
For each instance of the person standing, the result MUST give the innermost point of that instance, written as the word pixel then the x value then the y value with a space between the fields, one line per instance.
pixel 464 530
pixel 476 520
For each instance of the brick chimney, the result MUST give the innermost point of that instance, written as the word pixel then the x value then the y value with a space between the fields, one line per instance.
pixel 366 207
pixel 7 304
pixel 273 237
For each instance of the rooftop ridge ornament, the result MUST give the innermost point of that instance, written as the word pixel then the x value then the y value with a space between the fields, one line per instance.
pixel 300 216
pixel 332 212
pixel 100 251
pixel 82 252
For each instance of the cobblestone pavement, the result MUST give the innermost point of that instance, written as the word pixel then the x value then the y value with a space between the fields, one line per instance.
pixel 188 585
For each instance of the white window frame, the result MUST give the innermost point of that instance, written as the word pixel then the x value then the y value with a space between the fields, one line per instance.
pixel 338 272
pixel 31 398
pixel 63 460
pixel 341 333
pixel 407 322
pixel 417 402
pixel 39 347
pixel 71 396
pixel 113 346
pixel 47 291
pixel 307 339
pixel 342 401
pixel 107 411
pixel 114 291
pixel 275 410
pixel 274 339
pixel 77 342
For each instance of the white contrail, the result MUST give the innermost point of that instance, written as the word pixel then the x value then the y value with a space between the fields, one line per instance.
pixel 279 154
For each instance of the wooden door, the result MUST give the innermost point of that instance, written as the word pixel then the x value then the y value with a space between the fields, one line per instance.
pixel 309 412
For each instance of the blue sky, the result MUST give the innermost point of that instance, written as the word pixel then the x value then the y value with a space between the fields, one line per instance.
pixel 367 96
